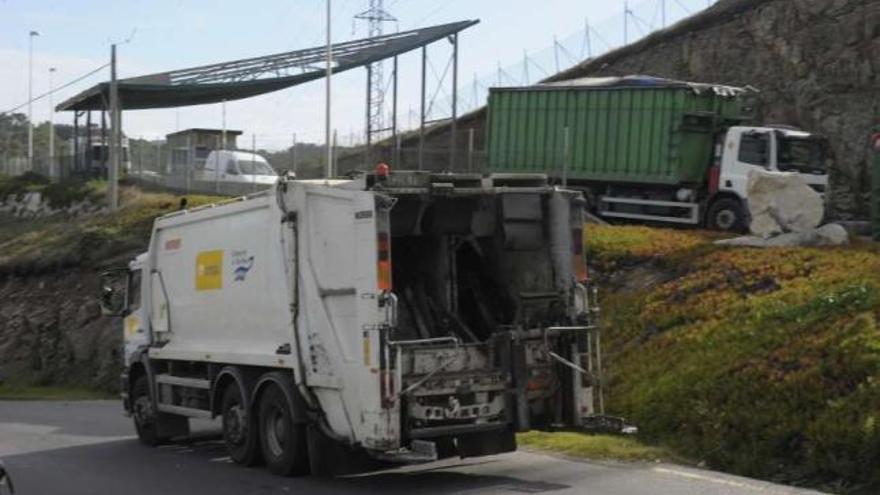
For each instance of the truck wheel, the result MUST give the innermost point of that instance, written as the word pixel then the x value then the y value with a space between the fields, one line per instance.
pixel 726 214
pixel 143 413
pixel 239 429
pixel 283 442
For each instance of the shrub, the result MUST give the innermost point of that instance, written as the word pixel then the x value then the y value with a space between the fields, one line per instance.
pixel 762 362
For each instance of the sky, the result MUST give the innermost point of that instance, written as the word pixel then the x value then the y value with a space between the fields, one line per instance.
pixel 160 35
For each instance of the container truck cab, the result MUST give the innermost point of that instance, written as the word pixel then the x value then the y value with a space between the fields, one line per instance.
pixel 647 149
pixel 743 149
pixel 394 317
pixel 240 167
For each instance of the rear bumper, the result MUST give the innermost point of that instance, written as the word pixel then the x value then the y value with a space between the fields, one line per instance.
pixel 455 430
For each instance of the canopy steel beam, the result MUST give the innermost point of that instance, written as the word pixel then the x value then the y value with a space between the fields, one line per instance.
pixel 248 77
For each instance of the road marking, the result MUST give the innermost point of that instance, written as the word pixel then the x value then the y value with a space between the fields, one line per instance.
pixel 726 481
pixel 23 438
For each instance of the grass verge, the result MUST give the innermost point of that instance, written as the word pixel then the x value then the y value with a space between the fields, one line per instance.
pixel 602 447
pixel 16 392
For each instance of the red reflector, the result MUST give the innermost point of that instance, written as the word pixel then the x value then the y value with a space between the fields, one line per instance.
pixel 384 263
pixel 714 179
pixel 577 251
pixel 386 388
pixel 876 141
pixel 382 170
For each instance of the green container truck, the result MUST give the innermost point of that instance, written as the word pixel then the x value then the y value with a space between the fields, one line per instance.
pixel 645 148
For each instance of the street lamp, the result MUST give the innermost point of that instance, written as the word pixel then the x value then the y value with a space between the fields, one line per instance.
pixel 329 166
pixel 30 99
pixel 53 175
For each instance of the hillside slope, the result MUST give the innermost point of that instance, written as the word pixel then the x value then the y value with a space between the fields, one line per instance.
pixel 51 328
pixel 761 362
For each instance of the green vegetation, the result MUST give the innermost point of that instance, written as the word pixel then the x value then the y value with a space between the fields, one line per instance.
pixel 593 446
pixel 8 392
pixel 35 245
pixel 761 362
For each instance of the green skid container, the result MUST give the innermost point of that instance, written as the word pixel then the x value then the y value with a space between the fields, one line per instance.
pixel 642 135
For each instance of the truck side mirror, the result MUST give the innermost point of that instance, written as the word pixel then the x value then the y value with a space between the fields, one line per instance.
pixel 114 292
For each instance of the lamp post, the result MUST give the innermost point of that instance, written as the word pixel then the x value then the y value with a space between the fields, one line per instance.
pixel 327 133
pixel 30 155
pixel 53 173
pixel 115 136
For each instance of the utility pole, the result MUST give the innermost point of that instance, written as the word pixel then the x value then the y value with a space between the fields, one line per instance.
pixel 375 16
pixel 663 12
pixel 53 175
pixel 30 155
pixel 328 130
pixel 625 22
pixel 587 43
pixel 335 155
pixel 222 147
pixel 476 92
pixel 293 154
pixel 223 132
pixel 556 52
pixel 525 68
pixel 115 135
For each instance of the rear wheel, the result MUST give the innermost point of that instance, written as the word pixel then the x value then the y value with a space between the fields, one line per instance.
pixel 283 441
pixel 239 428
pixel 143 413
pixel 726 214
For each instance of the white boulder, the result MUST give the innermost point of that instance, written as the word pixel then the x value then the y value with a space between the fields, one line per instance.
pixel 782 202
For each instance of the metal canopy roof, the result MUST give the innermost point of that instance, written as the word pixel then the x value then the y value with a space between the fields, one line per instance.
pixel 254 76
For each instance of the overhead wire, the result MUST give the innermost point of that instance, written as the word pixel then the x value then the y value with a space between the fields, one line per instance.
pixel 55 90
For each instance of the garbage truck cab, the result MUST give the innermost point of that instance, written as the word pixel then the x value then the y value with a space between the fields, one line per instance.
pixel 396 317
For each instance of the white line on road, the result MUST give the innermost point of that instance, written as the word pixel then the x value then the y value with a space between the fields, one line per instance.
pixel 731 482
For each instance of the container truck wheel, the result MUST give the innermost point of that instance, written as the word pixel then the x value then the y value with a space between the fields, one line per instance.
pixel 142 412
pixel 726 214
pixel 283 441
pixel 239 428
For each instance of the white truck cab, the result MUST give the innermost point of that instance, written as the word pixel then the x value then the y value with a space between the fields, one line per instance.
pixel 777 149
pixel 238 167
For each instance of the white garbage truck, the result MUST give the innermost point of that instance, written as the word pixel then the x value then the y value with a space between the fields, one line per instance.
pixel 393 317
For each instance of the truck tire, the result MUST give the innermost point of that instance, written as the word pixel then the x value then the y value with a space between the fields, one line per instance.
pixel 239 428
pixel 143 413
pixel 726 214
pixel 283 442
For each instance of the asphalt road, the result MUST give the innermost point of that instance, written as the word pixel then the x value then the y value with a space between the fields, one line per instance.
pixel 73 448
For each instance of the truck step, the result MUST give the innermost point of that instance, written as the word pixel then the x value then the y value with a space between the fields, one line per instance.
pixel 183 381
pixel 185 411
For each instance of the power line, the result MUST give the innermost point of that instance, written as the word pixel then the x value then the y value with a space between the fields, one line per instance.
pixel 63 86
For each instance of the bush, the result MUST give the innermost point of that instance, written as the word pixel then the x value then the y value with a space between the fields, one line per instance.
pixel 761 362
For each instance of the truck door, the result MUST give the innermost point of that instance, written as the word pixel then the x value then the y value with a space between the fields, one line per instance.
pixel 342 311
pixel 745 149
pixel 136 331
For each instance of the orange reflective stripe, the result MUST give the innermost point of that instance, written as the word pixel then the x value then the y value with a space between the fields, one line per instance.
pixel 384 263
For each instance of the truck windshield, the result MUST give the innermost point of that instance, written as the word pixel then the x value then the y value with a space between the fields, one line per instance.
pixel 801 155
pixel 252 167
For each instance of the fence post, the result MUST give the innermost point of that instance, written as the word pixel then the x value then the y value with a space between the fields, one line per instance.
pixel 470 149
